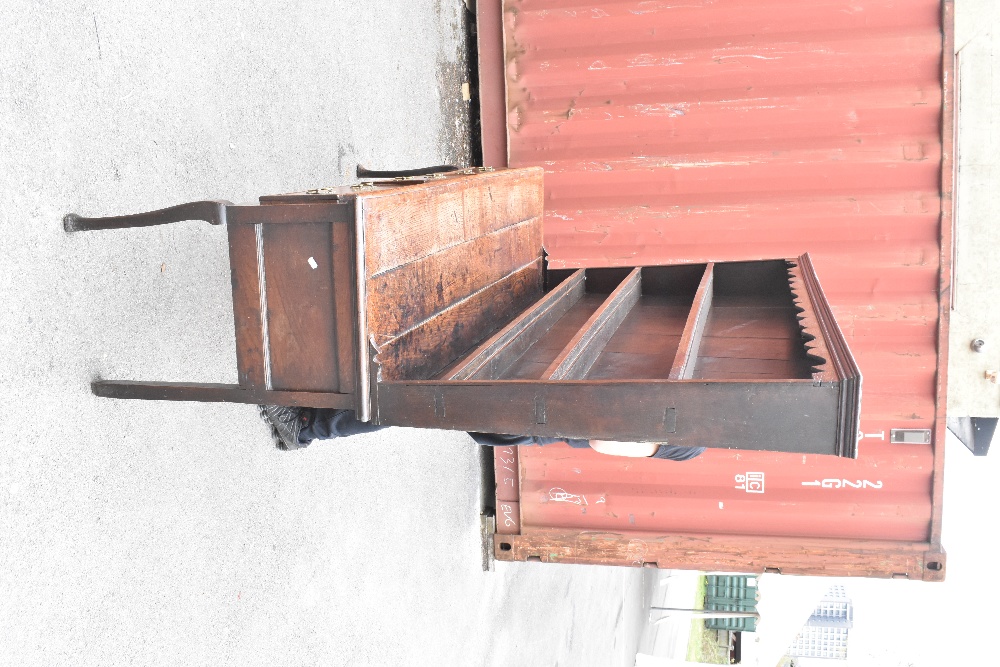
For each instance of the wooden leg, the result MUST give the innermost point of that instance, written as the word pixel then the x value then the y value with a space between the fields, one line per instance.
pixel 217 393
pixel 213 212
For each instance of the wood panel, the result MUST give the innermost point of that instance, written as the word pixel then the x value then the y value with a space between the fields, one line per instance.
pixel 793 415
pixel 403 297
pixel 344 305
pixel 493 358
pixel 536 360
pixel 753 322
pixel 427 349
pixel 248 325
pixel 503 196
pixel 734 367
pixel 749 348
pixel 406 224
pixel 646 343
pixel 740 340
pixel 579 355
pixel 300 304
pixel 656 316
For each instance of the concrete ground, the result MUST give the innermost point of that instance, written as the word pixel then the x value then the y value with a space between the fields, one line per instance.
pixel 666 636
pixel 173 533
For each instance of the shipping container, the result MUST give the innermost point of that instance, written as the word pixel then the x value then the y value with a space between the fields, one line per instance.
pixel 732 130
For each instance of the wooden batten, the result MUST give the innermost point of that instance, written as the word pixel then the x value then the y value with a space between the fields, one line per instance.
pixel 344 305
pixel 246 267
pixel 490 360
pixel 207 392
pixel 423 351
pixel 694 328
pixel 582 351
pixel 289 214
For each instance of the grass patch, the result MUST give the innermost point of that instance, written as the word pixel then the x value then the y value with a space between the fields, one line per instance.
pixel 703 644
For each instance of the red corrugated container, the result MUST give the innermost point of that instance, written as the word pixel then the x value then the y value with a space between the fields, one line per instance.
pixel 713 130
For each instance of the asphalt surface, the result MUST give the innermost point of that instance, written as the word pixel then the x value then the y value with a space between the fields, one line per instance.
pixel 152 533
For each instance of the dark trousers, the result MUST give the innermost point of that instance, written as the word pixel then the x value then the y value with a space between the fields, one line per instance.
pixel 327 423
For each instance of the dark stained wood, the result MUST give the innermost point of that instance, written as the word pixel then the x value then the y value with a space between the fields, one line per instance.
pixel 776 415
pixel 753 322
pixel 749 348
pixel 291 214
pixel 217 393
pixel 344 291
pixel 399 230
pixel 652 366
pixel 492 359
pixel 213 212
pixel 657 316
pixel 301 318
pixel 715 367
pixel 827 341
pixel 690 343
pixel 425 350
pixel 679 282
pixel 503 197
pixel 536 360
pixel 758 283
pixel 300 272
pixel 605 281
pixel 419 276
pixel 403 297
pixel 740 339
pixel 582 351
pixel 732 553
pixel 216 213
pixel 646 343
pixel 405 224
pixel 243 265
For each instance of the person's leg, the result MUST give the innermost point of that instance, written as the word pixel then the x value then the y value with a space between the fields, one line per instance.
pixel 326 423
pixel 503 440
pixel 295 428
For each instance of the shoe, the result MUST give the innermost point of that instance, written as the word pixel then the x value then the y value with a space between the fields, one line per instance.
pixel 286 423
